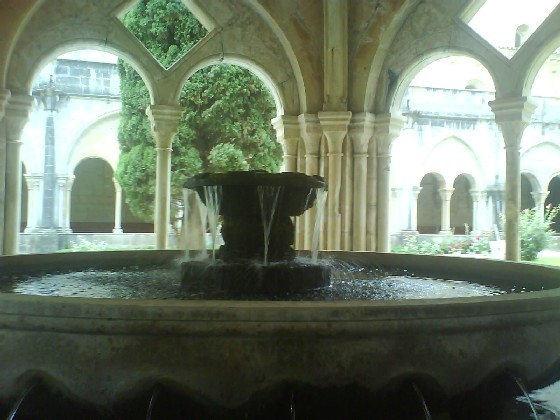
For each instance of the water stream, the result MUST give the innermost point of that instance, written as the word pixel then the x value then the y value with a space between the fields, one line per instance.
pixel 213 198
pixel 321 200
pixel 268 200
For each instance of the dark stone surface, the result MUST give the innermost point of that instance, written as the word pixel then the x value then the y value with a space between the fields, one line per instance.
pixel 244 278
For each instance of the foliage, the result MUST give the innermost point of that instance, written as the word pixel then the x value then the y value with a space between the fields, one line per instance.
pixel 225 156
pixel 535 231
pixel 476 245
pixel 411 245
pixel 84 245
pixel 226 122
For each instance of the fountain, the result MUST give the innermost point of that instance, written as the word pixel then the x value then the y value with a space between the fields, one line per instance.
pixel 237 357
pixel 257 257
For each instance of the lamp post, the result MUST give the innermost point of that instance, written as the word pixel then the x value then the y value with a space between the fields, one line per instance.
pixel 50 97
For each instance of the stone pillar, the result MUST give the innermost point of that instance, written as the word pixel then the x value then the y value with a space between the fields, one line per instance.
pixel 476 197
pixel 287 133
pixel 165 122
pixel 311 133
pixel 512 117
pixel 360 133
pixel 33 183
pixel 118 207
pixel 445 194
pixel 397 210
pixel 387 128
pixel 67 203
pixel 539 197
pixel 4 97
pixel 414 208
pixel 63 201
pixel 16 116
pixel 335 127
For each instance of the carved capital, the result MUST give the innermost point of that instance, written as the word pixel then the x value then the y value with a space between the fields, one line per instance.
pixel 287 133
pixel 387 128
pixel 16 116
pixel 311 133
pixel 164 120
pixel 361 131
pixel 512 116
pixel 446 193
pixel 335 127
pixel 4 97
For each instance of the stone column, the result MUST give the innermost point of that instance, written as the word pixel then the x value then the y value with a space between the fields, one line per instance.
pixel 63 199
pixel 311 133
pixel 16 116
pixel 67 202
pixel 33 183
pixel 118 207
pixel 335 127
pixel 476 197
pixel 512 116
pixel 287 133
pixel 387 128
pixel 4 97
pixel 397 209
pixel 539 197
pixel 360 133
pixel 445 194
pixel 414 208
pixel 164 121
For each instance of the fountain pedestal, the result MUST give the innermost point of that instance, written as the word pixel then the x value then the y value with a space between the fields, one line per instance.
pixel 257 256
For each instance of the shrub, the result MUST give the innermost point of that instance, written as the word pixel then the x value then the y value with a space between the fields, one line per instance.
pixel 411 245
pixel 535 231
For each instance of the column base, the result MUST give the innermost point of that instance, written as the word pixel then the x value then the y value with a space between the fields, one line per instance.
pixel 63 230
pixel 117 230
pixel 446 232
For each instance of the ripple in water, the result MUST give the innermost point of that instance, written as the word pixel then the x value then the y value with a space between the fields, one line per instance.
pixel 349 282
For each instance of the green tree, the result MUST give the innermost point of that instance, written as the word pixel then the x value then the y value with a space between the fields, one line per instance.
pixel 226 123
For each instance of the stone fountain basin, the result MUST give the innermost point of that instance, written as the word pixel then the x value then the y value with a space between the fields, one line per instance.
pixel 101 351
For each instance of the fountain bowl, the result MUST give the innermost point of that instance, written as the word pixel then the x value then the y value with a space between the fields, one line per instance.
pixel 227 353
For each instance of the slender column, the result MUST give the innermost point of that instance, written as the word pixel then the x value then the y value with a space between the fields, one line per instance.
pixel 476 197
pixel 16 116
pixel 512 117
pixel 387 128
pixel 165 121
pixel 311 133
pixel 445 194
pixel 539 197
pixel 287 133
pixel 335 127
pixel 413 226
pixel 397 209
pixel 371 226
pixel 360 133
pixel 33 183
pixel 4 97
pixel 67 202
pixel 118 206
pixel 64 198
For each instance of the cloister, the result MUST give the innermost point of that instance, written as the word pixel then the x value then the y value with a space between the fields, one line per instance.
pixel 340 73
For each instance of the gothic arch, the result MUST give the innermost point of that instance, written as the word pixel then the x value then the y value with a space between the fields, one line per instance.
pixel 422 61
pixel 451 147
pixel 88 143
